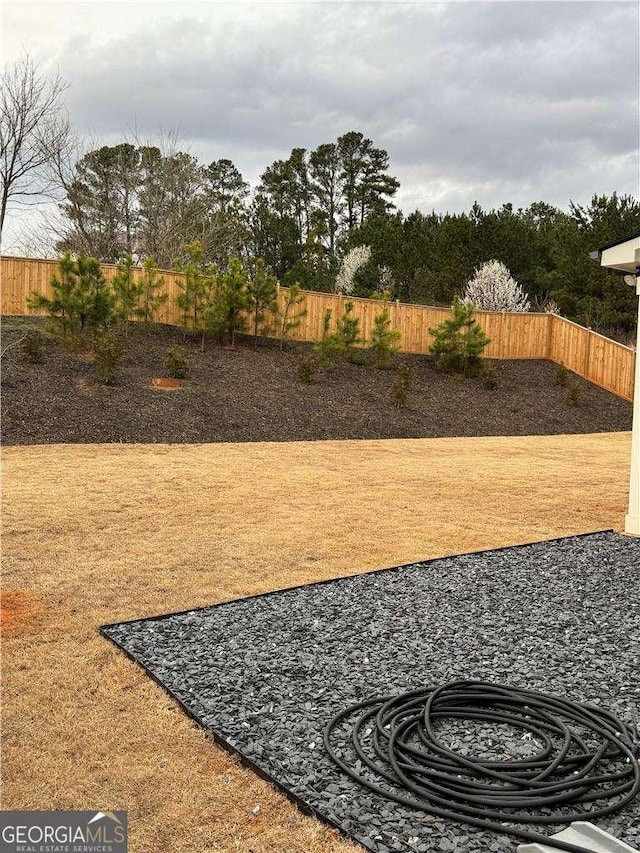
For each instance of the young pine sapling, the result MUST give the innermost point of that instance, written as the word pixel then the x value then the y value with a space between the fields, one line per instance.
pixel 330 345
pixel 349 331
pixel 459 341
pixel 127 293
pixel 262 294
pixel 384 339
pixel 153 295
pixel 197 289
pixel 291 315
pixel 81 301
pixel 226 316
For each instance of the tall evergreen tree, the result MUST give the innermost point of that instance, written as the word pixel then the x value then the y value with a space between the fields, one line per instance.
pixel 101 206
pixel 324 168
pixel 366 186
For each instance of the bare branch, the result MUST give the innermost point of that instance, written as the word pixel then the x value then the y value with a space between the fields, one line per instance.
pixel 34 132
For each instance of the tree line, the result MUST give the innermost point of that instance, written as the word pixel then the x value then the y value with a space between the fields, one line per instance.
pixel 315 218
pixel 432 257
pixel 312 211
pixel 127 199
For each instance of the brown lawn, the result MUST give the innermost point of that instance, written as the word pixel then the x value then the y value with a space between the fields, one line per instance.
pixel 96 534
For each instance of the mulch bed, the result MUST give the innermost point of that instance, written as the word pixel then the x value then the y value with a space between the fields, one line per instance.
pixel 266 674
pixel 255 394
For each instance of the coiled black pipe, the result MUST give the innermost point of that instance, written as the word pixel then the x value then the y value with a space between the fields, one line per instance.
pixel 402 746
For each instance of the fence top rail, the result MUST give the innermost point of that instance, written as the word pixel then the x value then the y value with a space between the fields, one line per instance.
pixel 102 263
pixel 373 301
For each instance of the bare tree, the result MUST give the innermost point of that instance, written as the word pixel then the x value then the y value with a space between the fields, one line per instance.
pixel 34 130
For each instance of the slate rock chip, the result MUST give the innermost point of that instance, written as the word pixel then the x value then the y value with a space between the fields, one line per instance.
pixel 267 673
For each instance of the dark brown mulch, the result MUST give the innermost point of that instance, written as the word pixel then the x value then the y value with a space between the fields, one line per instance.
pixel 255 394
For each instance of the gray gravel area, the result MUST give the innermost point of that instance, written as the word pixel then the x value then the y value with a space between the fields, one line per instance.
pixel 265 674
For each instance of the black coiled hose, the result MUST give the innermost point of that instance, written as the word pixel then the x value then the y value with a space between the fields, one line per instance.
pixel 395 738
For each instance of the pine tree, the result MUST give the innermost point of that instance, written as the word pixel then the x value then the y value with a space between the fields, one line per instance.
pixel 349 334
pixel 349 328
pixel 197 289
pixel 81 302
pixel 226 316
pixel 127 293
pixel 330 345
pixel 153 295
pixel 292 313
pixel 459 341
pixel 61 305
pixel 262 294
pixel 94 297
pixel 384 339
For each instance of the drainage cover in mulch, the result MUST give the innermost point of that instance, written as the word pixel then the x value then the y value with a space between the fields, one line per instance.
pixel 266 674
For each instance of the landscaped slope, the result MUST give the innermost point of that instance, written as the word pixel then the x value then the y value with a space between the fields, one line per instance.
pixel 256 394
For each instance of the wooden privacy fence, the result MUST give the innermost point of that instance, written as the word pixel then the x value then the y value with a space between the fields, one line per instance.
pixel 512 335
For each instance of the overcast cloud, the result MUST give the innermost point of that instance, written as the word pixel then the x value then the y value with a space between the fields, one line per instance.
pixel 487 101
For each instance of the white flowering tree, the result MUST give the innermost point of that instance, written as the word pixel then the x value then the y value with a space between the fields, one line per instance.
pixel 493 288
pixel 353 261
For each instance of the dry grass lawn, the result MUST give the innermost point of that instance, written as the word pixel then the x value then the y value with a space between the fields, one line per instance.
pixel 96 534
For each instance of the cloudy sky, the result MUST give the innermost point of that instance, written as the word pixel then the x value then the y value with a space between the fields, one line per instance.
pixel 488 101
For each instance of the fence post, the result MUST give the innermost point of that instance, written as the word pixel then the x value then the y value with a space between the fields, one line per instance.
pixel 587 355
pixel 551 327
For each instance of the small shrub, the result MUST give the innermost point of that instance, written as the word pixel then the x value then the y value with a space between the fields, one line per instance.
pixel 356 356
pixel 177 363
pixel 307 369
pixel 574 395
pixel 401 387
pixel 108 354
pixel 32 346
pixel 561 375
pixel 490 379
